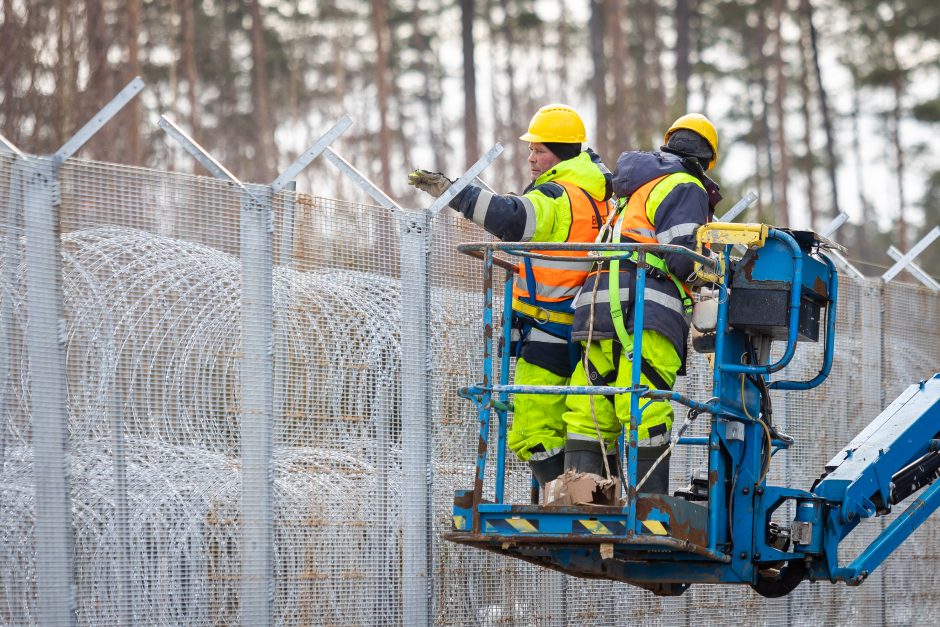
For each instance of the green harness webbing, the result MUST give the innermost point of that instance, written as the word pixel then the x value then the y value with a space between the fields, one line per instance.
pixel 613 286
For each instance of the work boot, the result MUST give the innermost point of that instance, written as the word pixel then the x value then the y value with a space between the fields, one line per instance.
pixel 584 456
pixel 547 469
pixel 658 483
pixel 613 461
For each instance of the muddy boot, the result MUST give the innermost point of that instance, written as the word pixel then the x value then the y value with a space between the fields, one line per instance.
pixel 658 483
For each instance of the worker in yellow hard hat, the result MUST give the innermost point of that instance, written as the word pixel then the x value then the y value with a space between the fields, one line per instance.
pixel 666 196
pixel 567 200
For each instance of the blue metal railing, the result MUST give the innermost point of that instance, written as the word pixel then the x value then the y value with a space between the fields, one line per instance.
pixel 490 395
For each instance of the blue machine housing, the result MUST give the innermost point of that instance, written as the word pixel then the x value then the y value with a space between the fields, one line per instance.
pixel 777 292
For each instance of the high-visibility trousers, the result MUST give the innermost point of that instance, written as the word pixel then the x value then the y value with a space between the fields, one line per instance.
pixel 656 419
pixel 537 418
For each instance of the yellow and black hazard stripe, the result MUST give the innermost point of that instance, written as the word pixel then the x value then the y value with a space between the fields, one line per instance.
pixel 460 523
pixel 596 527
pixel 518 525
pixel 656 527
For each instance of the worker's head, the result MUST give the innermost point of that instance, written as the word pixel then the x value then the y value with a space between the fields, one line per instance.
pixel 693 135
pixel 555 135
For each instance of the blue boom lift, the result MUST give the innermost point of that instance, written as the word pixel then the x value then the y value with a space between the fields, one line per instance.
pixel 721 529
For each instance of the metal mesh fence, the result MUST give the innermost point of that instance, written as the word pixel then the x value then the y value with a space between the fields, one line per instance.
pixel 157 401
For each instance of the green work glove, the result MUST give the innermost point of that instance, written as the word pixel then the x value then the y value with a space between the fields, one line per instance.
pixel 433 183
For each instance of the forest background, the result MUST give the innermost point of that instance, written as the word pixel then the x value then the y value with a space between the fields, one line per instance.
pixel 821 107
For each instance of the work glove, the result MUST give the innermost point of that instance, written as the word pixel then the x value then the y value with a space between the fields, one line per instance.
pixel 433 183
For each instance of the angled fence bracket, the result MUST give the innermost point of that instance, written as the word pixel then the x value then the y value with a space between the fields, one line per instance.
pixel 915 270
pixel 906 259
pixel 749 199
pixel 837 257
pixel 94 125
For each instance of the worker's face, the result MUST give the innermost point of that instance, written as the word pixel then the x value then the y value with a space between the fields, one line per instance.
pixel 541 159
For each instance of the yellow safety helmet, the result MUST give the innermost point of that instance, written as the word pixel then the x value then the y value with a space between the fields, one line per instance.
pixel 697 123
pixel 556 123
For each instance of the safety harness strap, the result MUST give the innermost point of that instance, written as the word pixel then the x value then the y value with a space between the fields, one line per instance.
pixel 608 379
pixel 616 313
pixel 541 314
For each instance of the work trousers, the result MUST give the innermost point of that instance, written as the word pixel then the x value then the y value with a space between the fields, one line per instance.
pixel 655 420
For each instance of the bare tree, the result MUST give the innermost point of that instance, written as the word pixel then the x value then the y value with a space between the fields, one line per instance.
pixel 622 122
pixel 100 85
pixel 65 75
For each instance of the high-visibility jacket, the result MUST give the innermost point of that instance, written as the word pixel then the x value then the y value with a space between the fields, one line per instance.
pixel 568 203
pixel 665 204
pixel 635 223
pixel 545 282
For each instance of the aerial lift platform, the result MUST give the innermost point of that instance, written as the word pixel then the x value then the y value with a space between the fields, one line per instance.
pixel 722 529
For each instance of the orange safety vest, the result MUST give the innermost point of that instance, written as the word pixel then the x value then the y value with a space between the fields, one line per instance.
pixel 559 281
pixel 637 226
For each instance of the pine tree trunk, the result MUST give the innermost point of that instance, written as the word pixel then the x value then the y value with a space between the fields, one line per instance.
pixel 809 165
pixel 897 89
pixel 230 148
pixel 429 91
pixel 761 65
pixel 868 219
pixel 599 77
pixel 782 213
pixel 619 121
pixel 380 30
pixel 63 84
pixel 10 33
pixel 188 57
pixel 99 88
pixel 131 130
pixel 470 126
pixel 265 161
pixel 683 69
pixel 806 8
pixel 515 148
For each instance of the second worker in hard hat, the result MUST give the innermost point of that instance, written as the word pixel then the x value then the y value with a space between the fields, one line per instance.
pixel 665 197
pixel 567 200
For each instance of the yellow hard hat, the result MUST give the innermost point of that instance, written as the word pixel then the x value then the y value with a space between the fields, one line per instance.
pixel 697 123
pixel 556 123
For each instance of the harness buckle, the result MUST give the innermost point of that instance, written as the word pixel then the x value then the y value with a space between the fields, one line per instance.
pixel 541 316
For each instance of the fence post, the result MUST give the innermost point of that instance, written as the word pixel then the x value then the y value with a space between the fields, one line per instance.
pixel 416 418
pixel 417 460
pixel 256 385
pixel 45 337
pixel 257 408
pixel 257 372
